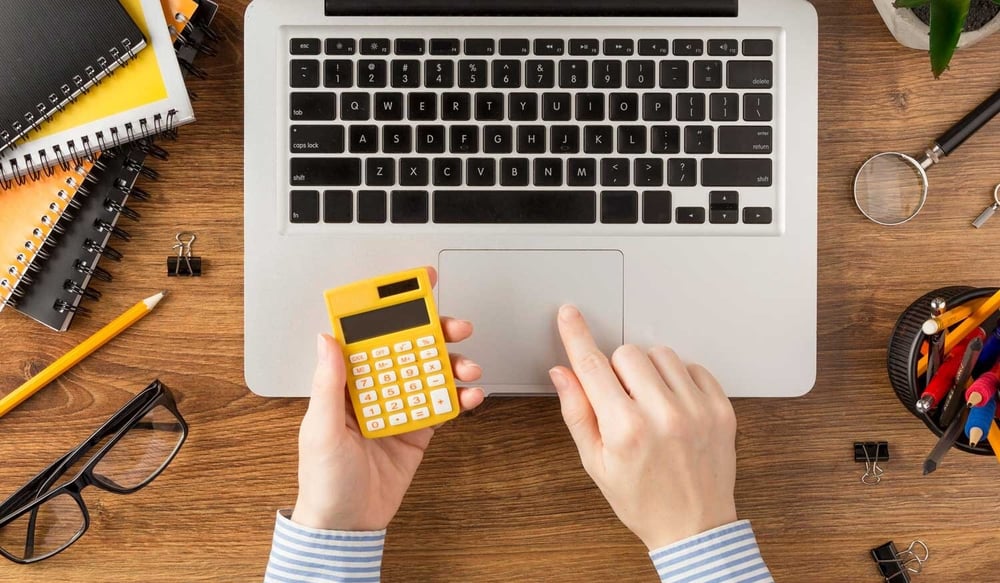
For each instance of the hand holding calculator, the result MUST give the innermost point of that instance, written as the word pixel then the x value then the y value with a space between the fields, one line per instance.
pixel 399 374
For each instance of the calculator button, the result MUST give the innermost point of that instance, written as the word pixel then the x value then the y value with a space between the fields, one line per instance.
pixel 359 357
pixel 394 405
pixel 428 353
pixel 397 419
pixel 386 378
pixel 360 370
pixel 432 366
pixel 372 410
pixel 368 397
pixel 425 341
pixel 364 383
pixel 403 346
pixel 441 401
pixel 411 386
pixel 415 400
pixel 409 372
pixel 376 424
pixel 406 359
pixel 435 380
pixel 381 352
pixel 421 413
pixel 383 364
pixel 390 391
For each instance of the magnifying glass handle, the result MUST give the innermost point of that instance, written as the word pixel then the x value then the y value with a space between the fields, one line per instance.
pixel 970 124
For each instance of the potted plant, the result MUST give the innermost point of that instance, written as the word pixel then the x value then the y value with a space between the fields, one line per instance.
pixel 940 26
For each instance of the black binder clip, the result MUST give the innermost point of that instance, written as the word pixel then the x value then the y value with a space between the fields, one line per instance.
pixel 897 566
pixel 184 264
pixel 871 453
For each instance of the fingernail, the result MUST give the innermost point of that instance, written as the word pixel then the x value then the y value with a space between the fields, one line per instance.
pixel 557 378
pixel 569 312
pixel 322 348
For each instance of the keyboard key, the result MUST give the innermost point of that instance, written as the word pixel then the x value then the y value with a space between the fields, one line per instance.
pixel 409 372
pixel 389 106
pixel 409 206
pixel 410 46
pixel 340 46
pixel 397 139
pixel 363 140
pixel 674 74
pixel 325 172
pixel 368 396
pixel 432 366
pixel 549 46
pixel 406 359
pixel 338 206
pixel 464 139
pixel 422 107
pixel 456 107
pixel 303 73
pixel 624 107
pixel 614 172
pixel 631 139
pixel 304 206
pixel 548 172
pixel 428 353
pixel 424 341
pixel 757 106
pixel 540 74
pixel 338 73
pixel 472 74
pixel 699 140
pixel 657 207
pixel 316 139
pixel 304 46
pixel 480 172
pixel 640 74
pixel 413 386
pixel 656 107
pixel 405 74
pixel 654 47
pixel 515 47
pixel 745 140
pixel 530 139
pixel 358 357
pixel 690 107
pixel 648 172
pixel 723 217
pixel 448 171
pixel 619 47
pixel 375 46
pixel 758 47
pixel 584 47
pixel 757 215
pixel 440 398
pixel 445 46
pixel 665 140
pixel 371 206
pixel 420 413
pixel 506 74
pixel 723 47
pixel 375 424
pixel 383 364
pixel 556 106
pixel 581 172
pixel 682 172
pixel 523 107
pixel 364 383
pixel 707 74
pixel 619 207
pixel 515 206
pixel 498 140
pixel 430 139
pixel 398 418
pixel 724 200
pixel 514 172
pixel 489 106
pixel 749 74
pixel 390 391
pixel 386 377
pixel 607 74
pixel 480 46
pixel 724 107
pixel 416 401
pixel 372 74
pixel 690 215
pixel 573 74
pixel 736 172
pixel 565 140
pixel 440 74
pixel 313 107
pixel 414 172
pixel 590 107
pixel 689 47
pixel 598 139
pixel 380 172
pixel 355 106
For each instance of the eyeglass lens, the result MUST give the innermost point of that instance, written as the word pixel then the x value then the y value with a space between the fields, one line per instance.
pixel 142 452
pixel 43 530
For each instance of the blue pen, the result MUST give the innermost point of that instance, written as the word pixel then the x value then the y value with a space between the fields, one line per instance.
pixel 988 357
pixel 978 424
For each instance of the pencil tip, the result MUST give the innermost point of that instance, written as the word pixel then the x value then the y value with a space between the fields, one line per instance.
pixel 929 467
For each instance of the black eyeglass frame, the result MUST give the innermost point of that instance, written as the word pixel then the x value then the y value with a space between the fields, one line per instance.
pixel 27 499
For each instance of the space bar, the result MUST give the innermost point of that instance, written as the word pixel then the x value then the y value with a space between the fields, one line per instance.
pixel 515 206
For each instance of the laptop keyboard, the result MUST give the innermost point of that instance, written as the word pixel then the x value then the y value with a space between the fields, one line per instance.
pixel 622 131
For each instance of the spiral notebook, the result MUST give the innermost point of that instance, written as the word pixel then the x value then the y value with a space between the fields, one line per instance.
pixel 62 281
pixel 28 216
pixel 45 66
pixel 145 98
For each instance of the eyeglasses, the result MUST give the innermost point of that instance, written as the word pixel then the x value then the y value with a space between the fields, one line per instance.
pixel 48 514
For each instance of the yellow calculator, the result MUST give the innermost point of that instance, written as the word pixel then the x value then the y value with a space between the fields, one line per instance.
pixel 398 371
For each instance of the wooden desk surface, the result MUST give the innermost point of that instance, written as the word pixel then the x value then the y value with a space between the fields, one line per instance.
pixel 501 495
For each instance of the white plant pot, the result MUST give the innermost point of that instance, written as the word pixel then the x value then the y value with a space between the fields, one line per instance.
pixel 911 32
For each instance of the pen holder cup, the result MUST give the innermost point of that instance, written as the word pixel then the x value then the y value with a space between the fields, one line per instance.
pixel 904 352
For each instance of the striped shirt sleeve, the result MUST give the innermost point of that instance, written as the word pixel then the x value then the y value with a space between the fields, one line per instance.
pixel 307 555
pixel 728 554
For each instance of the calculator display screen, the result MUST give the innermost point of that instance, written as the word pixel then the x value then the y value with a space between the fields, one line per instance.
pixel 384 321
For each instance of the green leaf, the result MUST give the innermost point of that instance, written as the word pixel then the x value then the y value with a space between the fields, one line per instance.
pixel 914 3
pixel 947 19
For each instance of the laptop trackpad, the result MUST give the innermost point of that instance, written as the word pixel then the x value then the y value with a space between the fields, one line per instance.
pixel 512 298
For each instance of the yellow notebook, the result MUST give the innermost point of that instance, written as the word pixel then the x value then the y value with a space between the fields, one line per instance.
pixel 141 99
pixel 28 214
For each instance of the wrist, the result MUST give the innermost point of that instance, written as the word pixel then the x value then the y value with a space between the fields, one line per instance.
pixel 671 532
pixel 315 516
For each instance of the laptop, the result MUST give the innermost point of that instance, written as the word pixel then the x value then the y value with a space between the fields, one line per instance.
pixel 653 162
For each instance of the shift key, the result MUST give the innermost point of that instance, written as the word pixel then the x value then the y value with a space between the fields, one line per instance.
pixel 325 172
pixel 736 172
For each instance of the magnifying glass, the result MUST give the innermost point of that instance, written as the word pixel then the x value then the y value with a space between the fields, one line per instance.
pixel 890 188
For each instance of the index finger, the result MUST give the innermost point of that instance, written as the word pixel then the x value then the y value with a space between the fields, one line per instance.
pixel 591 366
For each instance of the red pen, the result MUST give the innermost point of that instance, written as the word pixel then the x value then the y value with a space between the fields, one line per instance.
pixel 983 390
pixel 944 378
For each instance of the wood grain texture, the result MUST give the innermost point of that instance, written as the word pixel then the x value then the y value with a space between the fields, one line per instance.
pixel 501 495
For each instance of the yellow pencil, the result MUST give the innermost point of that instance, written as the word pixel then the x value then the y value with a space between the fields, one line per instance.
pixel 994 439
pixel 82 351
pixel 952 317
pixel 968 325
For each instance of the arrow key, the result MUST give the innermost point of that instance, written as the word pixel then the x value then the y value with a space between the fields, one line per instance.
pixel 723 217
pixel 757 216
pixel 690 215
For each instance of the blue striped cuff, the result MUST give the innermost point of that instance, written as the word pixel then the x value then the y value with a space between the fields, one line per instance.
pixel 728 554
pixel 302 554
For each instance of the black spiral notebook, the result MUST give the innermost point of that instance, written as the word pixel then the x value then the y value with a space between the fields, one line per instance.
pixel 54 50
